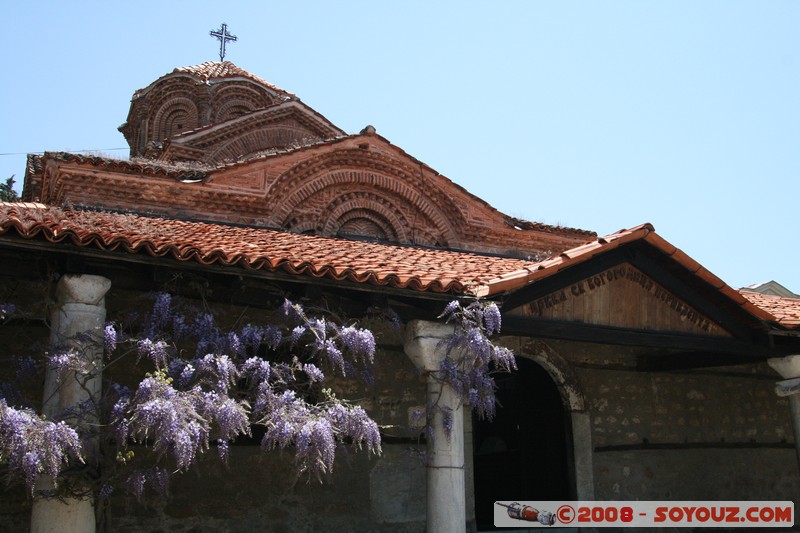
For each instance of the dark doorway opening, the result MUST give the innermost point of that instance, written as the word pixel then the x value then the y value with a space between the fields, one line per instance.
pixel 523 454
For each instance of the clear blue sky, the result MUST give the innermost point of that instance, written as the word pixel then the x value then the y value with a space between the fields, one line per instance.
pixel 598 115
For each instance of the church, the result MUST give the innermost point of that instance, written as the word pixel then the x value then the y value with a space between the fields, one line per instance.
pixel 641 375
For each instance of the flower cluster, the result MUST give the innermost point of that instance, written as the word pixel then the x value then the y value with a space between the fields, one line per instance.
pixel 265 375
pixel 171 419
pixel 32 447
pixel 157 477
pixel 68 360
pixel 109 338
pixel 472 356
pixel 314 429
pixel 206 384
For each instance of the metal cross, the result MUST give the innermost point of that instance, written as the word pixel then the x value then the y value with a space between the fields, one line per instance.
pixel 223 36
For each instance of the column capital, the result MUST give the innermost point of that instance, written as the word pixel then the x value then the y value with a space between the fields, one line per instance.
pixel 424 343
pixel 84 289
pixel 788 366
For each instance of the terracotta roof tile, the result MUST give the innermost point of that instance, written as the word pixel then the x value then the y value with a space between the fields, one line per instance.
pixel 402 267
pixel 785 310
pixel 215 70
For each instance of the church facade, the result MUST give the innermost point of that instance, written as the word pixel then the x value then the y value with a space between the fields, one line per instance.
pixel 642 376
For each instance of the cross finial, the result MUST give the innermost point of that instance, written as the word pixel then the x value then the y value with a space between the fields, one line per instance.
pixel 223 36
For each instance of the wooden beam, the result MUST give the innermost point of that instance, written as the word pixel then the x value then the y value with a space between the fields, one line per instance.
pixel 683 284
pixel 699 294
pixel 690 360
pixel 581 332
pixel 565 278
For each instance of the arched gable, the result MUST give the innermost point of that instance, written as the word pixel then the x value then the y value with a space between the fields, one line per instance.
pixel 234 99
pixel 244 143
pixel 328 193
pixel 174 116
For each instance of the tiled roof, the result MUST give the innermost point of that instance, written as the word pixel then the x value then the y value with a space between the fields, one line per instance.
pixel 141 166
pixel 644 233
pixel 314 256
pixel 785 310
pixel 216 70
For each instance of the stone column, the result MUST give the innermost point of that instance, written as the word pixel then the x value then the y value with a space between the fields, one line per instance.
pixel 446 508
pixel 789 369
pixel 76 323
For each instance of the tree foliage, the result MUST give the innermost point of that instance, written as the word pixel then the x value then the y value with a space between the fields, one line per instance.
pixel 7 192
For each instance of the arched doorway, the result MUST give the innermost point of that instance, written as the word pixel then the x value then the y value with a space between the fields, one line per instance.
pixel 525 452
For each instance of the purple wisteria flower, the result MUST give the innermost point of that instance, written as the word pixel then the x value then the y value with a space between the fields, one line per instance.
pixel 170 418
pixel 273 336
pixel 313 373
pixel 293 312
pixel 233 379
pixel 135 483
pixel 156 351
pixel 447 422
pixel 106 491
pixel 492 321
pixel 6 310
pixel 360 343
pixel 223 449
pixel 32 447
pixel 63 362
pixel 450 309
pixel 334 356
pixel 256 370
pixel 218 370
pixel 231 417
pixel 297 333
pixel 472 354
pixel 109 337
pixel 314 432
pixel 157 478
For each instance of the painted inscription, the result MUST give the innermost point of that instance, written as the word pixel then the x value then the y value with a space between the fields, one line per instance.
pixel 627 274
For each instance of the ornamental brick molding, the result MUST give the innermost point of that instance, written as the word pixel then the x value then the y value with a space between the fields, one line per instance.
pixel 214 142
pixel 186 99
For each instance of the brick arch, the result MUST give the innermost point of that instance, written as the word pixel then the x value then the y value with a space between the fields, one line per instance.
pixel 369 207
pixel 174 116
pixel 369 191
pixel 147 111
pixel 231 100
pixel 399 186
pixel 248 142
pixel 365 223
pixel 303 223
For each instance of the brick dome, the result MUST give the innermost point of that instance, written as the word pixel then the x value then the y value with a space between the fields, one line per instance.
pixel 191 101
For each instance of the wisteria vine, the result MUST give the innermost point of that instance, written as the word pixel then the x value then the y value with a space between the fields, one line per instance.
pixel 206 387
pixel 472 357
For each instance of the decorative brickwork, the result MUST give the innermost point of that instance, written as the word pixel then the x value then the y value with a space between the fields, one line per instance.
pixel 221 144
pixel 191 98
pixel 173 117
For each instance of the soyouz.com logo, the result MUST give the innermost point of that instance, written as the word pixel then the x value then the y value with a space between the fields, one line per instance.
pixel 644 514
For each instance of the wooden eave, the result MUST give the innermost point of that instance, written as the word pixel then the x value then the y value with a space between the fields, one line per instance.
pixel 754 332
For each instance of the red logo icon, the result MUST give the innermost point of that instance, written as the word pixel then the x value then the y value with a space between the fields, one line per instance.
pixel 565 514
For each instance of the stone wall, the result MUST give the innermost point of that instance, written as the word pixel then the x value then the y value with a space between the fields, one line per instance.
pixel 718 433
pixel 262 492
pixel 682 435
pixel 257 491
